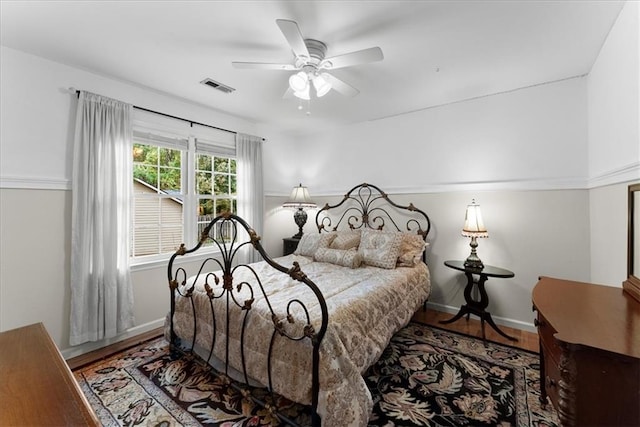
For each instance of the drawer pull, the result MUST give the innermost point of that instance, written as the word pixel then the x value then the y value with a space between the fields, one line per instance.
pixel 538 323
pixel 550 382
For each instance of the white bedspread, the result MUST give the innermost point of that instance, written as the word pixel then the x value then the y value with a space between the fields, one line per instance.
pixel 366 307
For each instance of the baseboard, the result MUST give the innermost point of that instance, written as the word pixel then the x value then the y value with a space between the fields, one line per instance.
pixel 85 348
pixel 502 321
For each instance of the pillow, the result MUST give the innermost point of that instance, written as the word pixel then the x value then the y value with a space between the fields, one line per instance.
pixel 411 249
pixel 380 248
pixel 309 243
pixel 346 258
pixel 346 240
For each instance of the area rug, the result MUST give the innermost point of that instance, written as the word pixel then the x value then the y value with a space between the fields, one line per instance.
pixel 426 377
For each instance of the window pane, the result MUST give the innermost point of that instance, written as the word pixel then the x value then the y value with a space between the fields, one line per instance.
pixel 204 162
pixel 171 238
pixel 223 205
pixel 205 215
pixel 203 183
pixel 146 154
pixel 169 157
pixel 205 207
pixel 234 186
pixel 157 219
pixel 170 180
pixel 221 164
pixel 221 184
pixel 232 165
pixel 146 241
pixel 148 175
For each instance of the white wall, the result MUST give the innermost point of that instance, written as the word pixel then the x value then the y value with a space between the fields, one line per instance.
pixel 533 137
pixel 614 144
pixel 37 114
pixel 522 155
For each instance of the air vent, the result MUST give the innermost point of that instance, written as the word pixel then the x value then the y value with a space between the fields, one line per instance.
pixel 217 85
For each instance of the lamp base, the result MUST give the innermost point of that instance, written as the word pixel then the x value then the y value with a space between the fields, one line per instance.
pixel 473 261
pixel 300 217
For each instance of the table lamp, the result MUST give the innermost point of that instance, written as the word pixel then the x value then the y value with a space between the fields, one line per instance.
pixel 474 228
pixel 299 199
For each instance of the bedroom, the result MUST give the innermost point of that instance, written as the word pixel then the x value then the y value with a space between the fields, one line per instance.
pixel 551 163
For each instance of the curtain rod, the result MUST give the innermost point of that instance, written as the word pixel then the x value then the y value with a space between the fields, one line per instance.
pixel 191 122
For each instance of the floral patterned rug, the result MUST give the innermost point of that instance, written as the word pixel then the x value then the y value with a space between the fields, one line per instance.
pixel 426 377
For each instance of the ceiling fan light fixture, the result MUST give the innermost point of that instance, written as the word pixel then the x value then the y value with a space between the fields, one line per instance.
pixel 299 82
pixel 322 85
pixel 303 94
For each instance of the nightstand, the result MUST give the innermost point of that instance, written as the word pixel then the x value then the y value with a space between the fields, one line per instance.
pixel 478 307
pixel 289 245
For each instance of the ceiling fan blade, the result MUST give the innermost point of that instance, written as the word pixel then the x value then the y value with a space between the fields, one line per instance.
pixel 264 66
pixel 288 93
pixel 364 56
pixel 340 86
pixel 294 37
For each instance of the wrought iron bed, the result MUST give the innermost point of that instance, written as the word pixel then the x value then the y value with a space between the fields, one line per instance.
pixel 235 289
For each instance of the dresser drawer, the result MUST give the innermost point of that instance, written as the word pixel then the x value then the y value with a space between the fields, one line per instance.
pixel 551 381
pixel 546 333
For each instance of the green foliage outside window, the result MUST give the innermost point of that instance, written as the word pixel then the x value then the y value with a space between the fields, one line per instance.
pixel 159 167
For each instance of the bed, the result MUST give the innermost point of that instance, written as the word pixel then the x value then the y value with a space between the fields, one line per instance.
pixel 305 326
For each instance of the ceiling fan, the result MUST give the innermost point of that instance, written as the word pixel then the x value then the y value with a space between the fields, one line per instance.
pixel 311 66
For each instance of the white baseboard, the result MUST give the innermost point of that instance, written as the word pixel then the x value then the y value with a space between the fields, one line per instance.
pixel 81 349
pixel 502 321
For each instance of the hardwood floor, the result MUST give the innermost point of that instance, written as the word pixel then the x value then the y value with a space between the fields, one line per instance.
pixel 526 340
pixel 102 353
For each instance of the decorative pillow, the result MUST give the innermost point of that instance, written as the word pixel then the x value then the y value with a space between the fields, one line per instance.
pixel 346 258
pixel 309 243
pixel 411 249
pixel 346 240
pixel 380 248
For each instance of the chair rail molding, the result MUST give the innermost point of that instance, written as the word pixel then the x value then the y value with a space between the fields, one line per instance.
pixel 34 183
pixel 626 173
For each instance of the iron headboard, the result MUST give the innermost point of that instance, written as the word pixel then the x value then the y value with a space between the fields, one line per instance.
pixel 367 206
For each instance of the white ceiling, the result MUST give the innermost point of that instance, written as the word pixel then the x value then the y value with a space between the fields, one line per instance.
pixel 435 52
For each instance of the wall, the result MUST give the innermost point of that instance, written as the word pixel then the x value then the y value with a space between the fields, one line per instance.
pixel 37 113
pixel 522 155
pixel 614 144
pixel 529 138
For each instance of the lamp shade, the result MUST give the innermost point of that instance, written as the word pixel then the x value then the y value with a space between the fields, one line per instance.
pixel 303 94
pixel 473 224
pixel 299 198
pixel 322 85
pixel 299 81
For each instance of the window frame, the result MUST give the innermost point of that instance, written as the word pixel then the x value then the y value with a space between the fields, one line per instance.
pixel 191 145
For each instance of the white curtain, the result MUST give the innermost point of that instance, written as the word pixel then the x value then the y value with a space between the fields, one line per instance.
pixel 101 291
pixel 250 186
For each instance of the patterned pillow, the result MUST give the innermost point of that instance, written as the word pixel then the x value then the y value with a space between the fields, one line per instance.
pixel 346 240
pixel 380 248
pixel 309 243
pixel 411 249
pixel 346 258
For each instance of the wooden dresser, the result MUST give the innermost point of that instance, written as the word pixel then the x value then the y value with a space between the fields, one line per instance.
pixel 37 387
pixel 589 352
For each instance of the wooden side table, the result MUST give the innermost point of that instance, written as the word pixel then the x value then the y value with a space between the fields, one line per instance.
pixel 474 306
pixel 289 245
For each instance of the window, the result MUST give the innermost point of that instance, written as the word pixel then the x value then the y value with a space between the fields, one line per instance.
pixel 179 186
pixel 216 188
pixel 158 199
